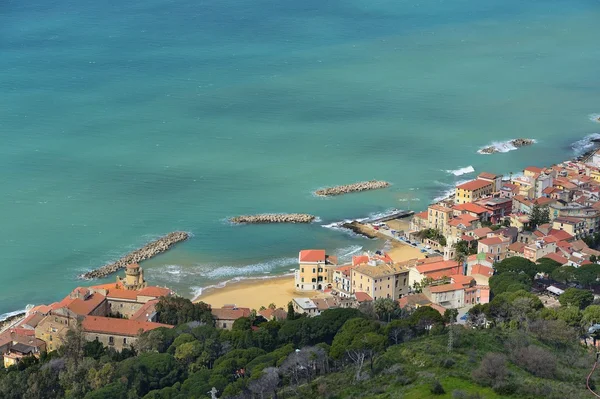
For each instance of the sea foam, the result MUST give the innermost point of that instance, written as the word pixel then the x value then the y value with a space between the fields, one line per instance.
pixel 595 118
pixel 501 146
pixel 585 144
pixel 461 171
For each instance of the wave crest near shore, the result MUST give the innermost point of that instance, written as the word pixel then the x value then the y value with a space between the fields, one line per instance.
pixel 461 171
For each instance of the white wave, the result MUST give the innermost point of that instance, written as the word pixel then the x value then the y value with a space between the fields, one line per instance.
pixel 5 316
pixel 345 254
pixel 180 274
pixel 585 144
pixel 448 189
pixel 461 171
pixel 595 118
pixel 501 146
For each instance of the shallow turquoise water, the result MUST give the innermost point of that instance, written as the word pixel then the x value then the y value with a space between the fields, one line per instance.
pixel 122 122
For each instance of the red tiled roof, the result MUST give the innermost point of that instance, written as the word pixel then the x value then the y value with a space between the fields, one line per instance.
pixel 445 287
pixel 467 238
pixel 474 185
pixel 230 313
pixel 421 215
pixel 516 247
pixel 123 327
pixel 461 279
pixel 154 291
pixel 482 232
pixel 482 270
pixel 541 201
pixel 146 310
pixel 556 257
pixel 491 241
pixel 471 207
pixel 345 269
pixel 312 255
pixel 123 294
pixel 108 286
pixel 436 266
pixel 362 297
pixel 437 307
pixel 273 314
pixel 487 175
pixel 85 307
pixel 534 169
pixel 42 309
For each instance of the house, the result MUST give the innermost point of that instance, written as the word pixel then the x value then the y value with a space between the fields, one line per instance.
pixel 481 273
pixel 273 314
pixel 473 191
pixel 315 270
pixel 227 315
pixel 433 269
pixel 380 278
pixel 473 209
pixel 573 226
pixel 341 280
pixel 18 351
pixel 516 249
pixel 477 294
pixel 305 306
pixel 540 248
pixel 451 295
pixel 116 333
pixel 492 178
pixel 557 258
pixel 496 246
pixel 498 208
pixel 438 216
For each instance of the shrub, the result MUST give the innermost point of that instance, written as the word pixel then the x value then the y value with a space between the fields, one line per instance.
pixel 492 370
pixel 447 363
pixel 536 360
pixel 458 394
pixel 505 388
pixel 437 388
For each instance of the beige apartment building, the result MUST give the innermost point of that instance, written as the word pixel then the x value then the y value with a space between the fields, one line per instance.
pixel 381 280
pixel 473 190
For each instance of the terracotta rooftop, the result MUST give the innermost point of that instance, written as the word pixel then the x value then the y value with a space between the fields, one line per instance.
pixel 516 247
pixel 145 311
pixel 487 175
pixel 491 241
pixel 471 207
pixel 474 185
pixel 534 169
pixel 461 279
pixel 413 300
pixel 437 266
pixel 122 327
pixel 558 258
pixel 154 291
pixel 481 232
pixel 439 308
pixel 311 256
pixel 230 313
pixel 84 307
pixel 440 208
pixel 273 314
pixel 445 288
pixel 421 215
pixel 362 297
pixel 482 270
pixel 345 270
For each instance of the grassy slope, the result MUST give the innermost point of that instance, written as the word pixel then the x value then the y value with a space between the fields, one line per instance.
pixel 408 370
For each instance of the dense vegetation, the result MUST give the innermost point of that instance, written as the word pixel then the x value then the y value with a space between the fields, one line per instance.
pixel 376 351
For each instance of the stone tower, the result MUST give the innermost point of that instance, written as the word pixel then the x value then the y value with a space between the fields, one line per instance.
pixel 134 277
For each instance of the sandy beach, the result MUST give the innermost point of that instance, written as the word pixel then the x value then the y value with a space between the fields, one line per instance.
pixel 254 293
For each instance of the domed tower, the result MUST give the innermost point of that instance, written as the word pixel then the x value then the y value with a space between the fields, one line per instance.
pixel 134 277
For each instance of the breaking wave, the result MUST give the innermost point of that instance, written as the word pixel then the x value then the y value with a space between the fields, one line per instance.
pixel 461 171
pixel 501 146
pixel 595 118
pixel 5 316
pixel 447 189
pixel 585 144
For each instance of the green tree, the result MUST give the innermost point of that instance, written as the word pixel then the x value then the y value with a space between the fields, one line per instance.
pixel 587 275
pixel 116 390
pixel 571 315
pixel 591 315
pixel 509 282
pixel 291 314
pixel 450 315
pixel 547 265
pixel 177 310
pixel 539 215
pixel 516 264
pixel 576 297
pixel 385 308
pixel 188 352
pixel 564 274
pixel 593 258
pixel 358 341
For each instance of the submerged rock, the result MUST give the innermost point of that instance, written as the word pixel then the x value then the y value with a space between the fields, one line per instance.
pixel 522 142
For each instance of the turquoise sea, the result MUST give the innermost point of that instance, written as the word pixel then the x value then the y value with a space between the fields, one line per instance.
pixel 123 121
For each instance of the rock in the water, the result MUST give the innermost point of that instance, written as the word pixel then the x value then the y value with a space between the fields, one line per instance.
pixel 350 188
pixel 488 150
pixel 147 251
pixel 273 218
pixel 522 142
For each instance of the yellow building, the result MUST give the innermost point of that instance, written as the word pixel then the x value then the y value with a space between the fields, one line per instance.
pixel 315 270
pixel 381 280
pixel 438 217
pixel 574 226
pixel 473 190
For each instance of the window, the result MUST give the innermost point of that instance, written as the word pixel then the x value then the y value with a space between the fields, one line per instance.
pixel 302 270
pixel 111 340
pixel 224 325
pixel 313 269
pixel 124 341
pixel 302 279
pixel 50 338
pixel 388 286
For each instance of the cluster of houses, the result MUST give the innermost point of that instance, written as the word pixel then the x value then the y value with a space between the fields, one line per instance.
pixel 114 314
pixel 491 217
pixel 438 282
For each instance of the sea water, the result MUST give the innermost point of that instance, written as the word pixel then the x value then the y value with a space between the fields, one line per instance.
pixel 123 121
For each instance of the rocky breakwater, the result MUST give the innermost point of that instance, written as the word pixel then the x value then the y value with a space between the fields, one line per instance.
pixel 351 188
pixel 361 229
pixel 509 145
pixel 146 252
pixel 273 218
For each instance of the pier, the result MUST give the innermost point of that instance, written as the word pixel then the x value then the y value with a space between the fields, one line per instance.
pixel 146 252
pixel 391 216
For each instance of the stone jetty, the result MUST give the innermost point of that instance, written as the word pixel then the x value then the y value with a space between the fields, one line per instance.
pixel 517 143
pixel 146 252
pixel 273 218
pixel 351 188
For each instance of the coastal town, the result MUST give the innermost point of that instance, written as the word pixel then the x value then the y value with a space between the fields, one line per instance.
pixel 442 258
